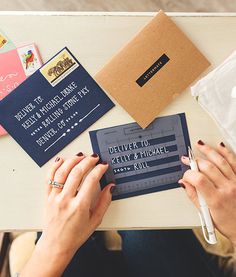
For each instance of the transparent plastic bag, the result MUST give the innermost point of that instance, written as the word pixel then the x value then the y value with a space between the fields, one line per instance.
pixel 216 93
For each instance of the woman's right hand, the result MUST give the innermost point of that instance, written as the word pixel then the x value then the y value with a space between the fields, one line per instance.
pixel 216 181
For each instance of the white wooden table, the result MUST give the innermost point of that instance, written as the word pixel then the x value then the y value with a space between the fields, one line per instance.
pixel 94 38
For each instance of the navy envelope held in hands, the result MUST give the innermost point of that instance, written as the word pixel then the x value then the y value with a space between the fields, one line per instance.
pixel 143 161
pixel 53 106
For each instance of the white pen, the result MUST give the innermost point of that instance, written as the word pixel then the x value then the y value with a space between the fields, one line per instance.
pixel 205 216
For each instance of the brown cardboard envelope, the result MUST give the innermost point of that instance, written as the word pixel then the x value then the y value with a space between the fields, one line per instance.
pixel 158 63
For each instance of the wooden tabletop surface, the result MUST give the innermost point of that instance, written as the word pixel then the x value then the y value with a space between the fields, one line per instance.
pixel 94 38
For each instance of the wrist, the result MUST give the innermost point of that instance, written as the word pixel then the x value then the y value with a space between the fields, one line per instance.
pixel 47 260
pixel 54 251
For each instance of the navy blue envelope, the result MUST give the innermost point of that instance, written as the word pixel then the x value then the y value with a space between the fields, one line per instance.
pixel 143 160
pixel 53 106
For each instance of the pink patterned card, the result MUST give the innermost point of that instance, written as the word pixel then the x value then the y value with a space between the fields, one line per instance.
pixel 15 66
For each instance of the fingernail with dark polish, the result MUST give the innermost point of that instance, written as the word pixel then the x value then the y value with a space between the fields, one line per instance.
pixel 222 144
pixel 94 155
pixel 112 189
pixel 200 142
pixel 80 154
pixel 57 159
pixel 104 162
pixel 181 184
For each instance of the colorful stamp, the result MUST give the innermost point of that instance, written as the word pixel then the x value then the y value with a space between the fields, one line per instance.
pixel 5 43
pixel 3 40
pixel 59 67
pixel 30 59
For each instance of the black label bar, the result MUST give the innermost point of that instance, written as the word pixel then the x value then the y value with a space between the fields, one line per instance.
pixel 152 70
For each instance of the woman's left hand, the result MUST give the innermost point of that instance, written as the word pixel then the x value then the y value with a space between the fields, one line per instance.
pixel 72 213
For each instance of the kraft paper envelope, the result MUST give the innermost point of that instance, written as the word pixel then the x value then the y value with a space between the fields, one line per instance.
pixel 158 63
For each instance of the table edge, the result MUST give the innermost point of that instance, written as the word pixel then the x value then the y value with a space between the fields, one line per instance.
pixel 136 14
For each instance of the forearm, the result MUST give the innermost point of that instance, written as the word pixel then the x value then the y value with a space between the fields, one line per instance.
pixel 46 261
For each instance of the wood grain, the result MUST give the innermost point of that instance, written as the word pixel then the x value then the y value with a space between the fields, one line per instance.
pixel 121 5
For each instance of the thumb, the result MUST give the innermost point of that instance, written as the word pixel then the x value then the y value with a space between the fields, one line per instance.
pixel 190 191
pixel 102 204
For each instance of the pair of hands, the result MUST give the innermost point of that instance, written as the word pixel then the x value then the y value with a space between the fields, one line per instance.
pixel 73 213
pixel 216 181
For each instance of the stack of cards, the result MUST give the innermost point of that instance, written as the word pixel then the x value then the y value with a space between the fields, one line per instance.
pixel 16 65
